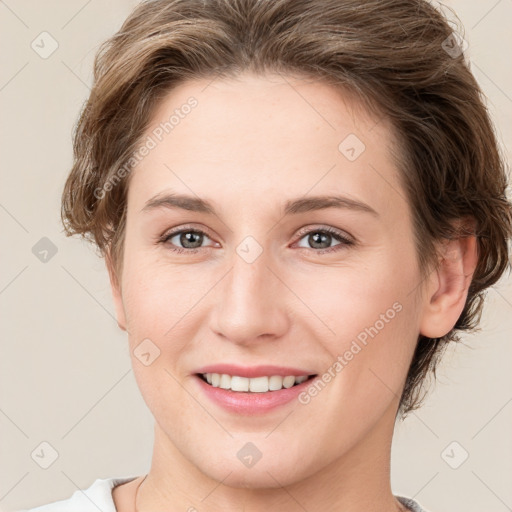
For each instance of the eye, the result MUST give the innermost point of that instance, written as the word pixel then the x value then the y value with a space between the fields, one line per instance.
pixel 191 240
pixel 321 239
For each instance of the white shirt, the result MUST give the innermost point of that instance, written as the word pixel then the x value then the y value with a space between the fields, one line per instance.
pixel 99 497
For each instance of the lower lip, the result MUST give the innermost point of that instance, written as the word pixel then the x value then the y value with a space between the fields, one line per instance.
pixel 242 402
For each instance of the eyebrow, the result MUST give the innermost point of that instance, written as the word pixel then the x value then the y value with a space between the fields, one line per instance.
pixel 295 206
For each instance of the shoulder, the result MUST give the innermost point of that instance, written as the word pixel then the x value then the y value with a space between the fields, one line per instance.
pixel 97 497
pixel 412 505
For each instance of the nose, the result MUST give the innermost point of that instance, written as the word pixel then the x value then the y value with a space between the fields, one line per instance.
pixel 250 303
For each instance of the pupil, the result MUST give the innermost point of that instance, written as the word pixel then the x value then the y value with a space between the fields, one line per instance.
pixel 317 239
pixel 189 237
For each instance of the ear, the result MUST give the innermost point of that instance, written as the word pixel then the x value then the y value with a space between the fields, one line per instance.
pixel 115 285
pixel 447 287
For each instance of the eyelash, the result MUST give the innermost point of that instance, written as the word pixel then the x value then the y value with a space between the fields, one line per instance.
pixel 344 241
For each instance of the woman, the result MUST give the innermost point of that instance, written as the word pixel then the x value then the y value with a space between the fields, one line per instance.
pixel 300 205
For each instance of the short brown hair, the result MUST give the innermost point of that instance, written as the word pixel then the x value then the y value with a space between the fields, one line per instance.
pixel 393 54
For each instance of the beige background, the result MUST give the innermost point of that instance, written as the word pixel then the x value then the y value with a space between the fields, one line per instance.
pixel 64 370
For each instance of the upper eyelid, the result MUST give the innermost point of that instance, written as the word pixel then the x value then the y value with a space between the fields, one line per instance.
pixel 329 229
pixel 185 229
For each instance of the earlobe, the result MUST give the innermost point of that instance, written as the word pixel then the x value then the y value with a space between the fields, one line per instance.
pixel 115 286
pixel 448 286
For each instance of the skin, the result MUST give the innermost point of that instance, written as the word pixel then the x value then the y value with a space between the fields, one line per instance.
pixel 251 144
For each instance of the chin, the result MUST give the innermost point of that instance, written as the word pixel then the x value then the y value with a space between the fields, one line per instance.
pixel 269 474
pixel 259 479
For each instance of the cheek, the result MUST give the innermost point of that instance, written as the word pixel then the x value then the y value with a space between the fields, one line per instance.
pixel 156 310
pixel 366 314
pixel 355 295
pixel 155 296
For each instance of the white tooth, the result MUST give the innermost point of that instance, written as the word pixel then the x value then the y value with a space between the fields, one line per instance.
pixel 258 384
pixel 225 381
pixel 275 383
pixel 288 381
pixel 255 385
pixel 239 383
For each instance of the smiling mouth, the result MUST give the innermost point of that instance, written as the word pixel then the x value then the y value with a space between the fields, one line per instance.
pixel 253 385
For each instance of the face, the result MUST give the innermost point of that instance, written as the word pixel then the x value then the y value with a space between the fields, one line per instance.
pixel 293 248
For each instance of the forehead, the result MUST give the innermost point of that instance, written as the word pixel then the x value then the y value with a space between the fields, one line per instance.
pixel 251 137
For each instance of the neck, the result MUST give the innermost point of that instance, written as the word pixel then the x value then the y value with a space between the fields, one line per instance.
pixel 358 481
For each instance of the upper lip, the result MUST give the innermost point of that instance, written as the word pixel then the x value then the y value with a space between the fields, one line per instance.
pixel 253 371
